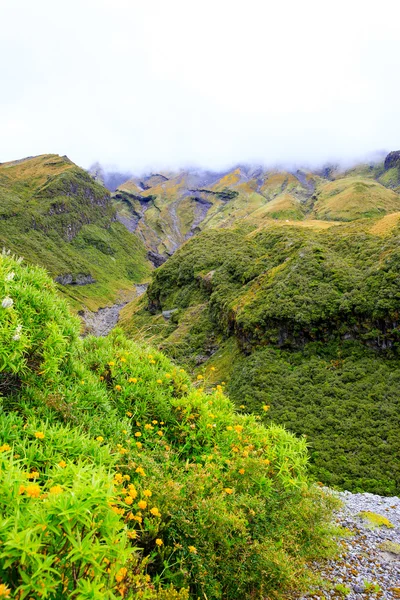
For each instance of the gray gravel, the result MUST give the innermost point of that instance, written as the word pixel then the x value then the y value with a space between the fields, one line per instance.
pixel 100 323
pixel 368 556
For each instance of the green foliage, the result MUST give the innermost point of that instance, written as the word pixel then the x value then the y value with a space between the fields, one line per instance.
pixel 118 475
pixel 55 215
pixel 315 316
pixel 375 519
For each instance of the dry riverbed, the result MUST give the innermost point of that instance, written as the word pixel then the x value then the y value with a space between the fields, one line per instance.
pixel 101 322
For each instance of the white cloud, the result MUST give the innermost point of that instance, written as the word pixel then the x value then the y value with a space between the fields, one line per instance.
pixel 165 84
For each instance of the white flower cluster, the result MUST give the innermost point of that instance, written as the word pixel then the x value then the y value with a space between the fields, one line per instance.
pixel 7 302
pixel 17 334
pixel 10 276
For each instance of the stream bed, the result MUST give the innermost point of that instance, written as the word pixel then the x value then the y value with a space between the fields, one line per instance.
pixel 101 322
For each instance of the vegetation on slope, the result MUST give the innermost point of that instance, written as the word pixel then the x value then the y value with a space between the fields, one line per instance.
pixel 54 214
pixel 119 478
pixel 313 317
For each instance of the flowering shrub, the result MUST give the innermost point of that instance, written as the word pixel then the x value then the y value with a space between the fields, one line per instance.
pixel 119 478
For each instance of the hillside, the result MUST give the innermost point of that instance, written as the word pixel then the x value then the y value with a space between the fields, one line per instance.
pixel 304 320
pixel 54 214
pixel 119 478
pixel 166 209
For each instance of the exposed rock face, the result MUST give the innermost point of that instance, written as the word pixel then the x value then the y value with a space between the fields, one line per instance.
pixel 79 279
pixel 156 259
pixel 392 160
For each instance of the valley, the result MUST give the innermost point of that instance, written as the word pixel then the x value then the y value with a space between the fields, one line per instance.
pixel 236 351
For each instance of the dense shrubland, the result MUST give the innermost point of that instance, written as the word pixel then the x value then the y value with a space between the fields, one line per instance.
pixel 314 320
pixel 120 478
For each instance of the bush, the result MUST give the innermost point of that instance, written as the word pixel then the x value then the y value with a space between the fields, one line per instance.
pixel 120 477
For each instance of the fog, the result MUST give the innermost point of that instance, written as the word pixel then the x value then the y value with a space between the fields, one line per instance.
pixel 142 86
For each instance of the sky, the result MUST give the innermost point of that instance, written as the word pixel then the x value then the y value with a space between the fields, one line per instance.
pixel 149 84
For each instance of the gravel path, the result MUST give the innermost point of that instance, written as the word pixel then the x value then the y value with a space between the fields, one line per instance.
pixel 369 566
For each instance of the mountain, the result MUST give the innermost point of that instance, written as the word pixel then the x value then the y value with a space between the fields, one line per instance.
pixel 287 283
pixel 54 214
pixel 166 209
pixel 299 312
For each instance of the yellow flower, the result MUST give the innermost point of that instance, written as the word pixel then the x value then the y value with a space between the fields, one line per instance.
pixel 229 428
pixel 238 428
pixel 100 438
pixel 33 490
pixel 118 388
pixel 39 435
pixel 155 512
pixel 128 413
pixel 154 422
pixel 148 426
pixel 150 356
pixel 137 518
pixel 4 591
pixel 161 422
pixel 121 574
pixel 160 433
pixel 138 434
pixel 118 478
pixel 241 471
pixel 242 406
pixel 128 500
pixel 139 444
pixel 122 359
pixel 111 363
pixel 181 370
pixel 266 407
pixel 142 504
pixel 141 472
pixel 159 542
pixel 124 431
pixel 266 461
pixel 101 378
pixel 147 493
pixel 212 369
pixel 159 380
pixel 132 535
pixel 62 464
pixel 168 375
pixel 228 490
pixel 21 489
pixel 200 377
pixel 132 491
pixel 56 489
pixel 83 382
pixel 132 380
pixel 152 362
pixel 33 475
pixel 5 448
pixel 167 447
pixel 192 549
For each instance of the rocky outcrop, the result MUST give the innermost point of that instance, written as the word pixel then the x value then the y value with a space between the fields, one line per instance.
pixel 392 160
pixel 78 279
pixel 156 259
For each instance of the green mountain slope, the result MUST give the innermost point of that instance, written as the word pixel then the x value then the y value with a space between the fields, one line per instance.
pixel 54 214
pixel 119 478
pixel 166 209
pixel 302 319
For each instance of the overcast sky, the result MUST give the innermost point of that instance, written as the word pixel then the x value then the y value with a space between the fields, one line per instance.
pixel 142 84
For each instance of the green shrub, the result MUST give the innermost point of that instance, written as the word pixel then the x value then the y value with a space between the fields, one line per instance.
pixel 153 482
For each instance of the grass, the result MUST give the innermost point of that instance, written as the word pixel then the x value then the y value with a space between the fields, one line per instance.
pixel 54 214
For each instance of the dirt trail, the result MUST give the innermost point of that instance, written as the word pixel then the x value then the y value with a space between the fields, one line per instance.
pixel 101 322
